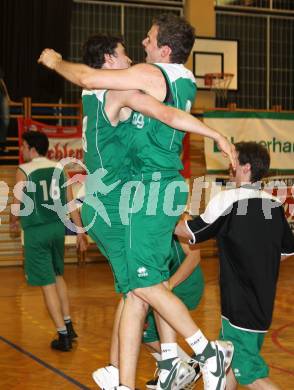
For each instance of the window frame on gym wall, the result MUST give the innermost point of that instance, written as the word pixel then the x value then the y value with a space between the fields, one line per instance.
pixel 255 4
pixel 266 63
pixel 128 18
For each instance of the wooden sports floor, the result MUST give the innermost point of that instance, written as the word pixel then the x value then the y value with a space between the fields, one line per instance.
pixel 27 362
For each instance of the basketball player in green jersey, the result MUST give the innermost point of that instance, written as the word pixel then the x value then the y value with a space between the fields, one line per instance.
pixel 44 232
pixel 150 79
pixel 109 152
pixel 187 282
pixel 105 143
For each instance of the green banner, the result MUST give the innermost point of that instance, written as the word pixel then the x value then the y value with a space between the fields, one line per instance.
pixel 273 130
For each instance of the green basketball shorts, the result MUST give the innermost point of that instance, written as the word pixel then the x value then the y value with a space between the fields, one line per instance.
pixel 247 363
pixel 150 228
pixel 110 240
pixel 44 253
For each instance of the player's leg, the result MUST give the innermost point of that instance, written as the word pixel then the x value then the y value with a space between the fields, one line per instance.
pixel 63 295
pixel 162 354
pixel 57 253
pixel 170 308
pixel 154 348
pixel 108 377
pixel 259 384
pixel 65 307
pixel 263 384
pixel 232 384
pixel 110 240
pixel 170 358
pixel 130 335
pixel 212 356
pixel 189 292
pixel 39 269
pixel 52 302
pixel 51 299
pixel 62 291
pixel 148 251
pixel 114 346
pixel 167 335
pixel 136 242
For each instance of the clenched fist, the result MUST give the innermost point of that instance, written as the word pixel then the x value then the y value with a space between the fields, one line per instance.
pixel 49 58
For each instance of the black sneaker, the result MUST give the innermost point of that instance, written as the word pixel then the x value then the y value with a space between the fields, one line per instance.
pixel 70 330
pixel 152 383
pixel 63 343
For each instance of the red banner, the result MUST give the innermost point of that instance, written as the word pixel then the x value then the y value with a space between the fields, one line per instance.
pixel 64 141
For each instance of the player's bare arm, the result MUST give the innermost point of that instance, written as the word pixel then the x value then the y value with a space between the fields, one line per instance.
pixel 20 180
pixel 177 119
pixel 114 107
pixel 82 240
pixel 181 230
pixel 189 264
pixel 143 77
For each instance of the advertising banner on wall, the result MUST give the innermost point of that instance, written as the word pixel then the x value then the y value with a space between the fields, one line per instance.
pixel 273 130
pixel 283 188
pixel 64 141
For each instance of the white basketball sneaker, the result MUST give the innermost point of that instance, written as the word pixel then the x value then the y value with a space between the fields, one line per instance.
pixel 197 373
pixel 107 378
pixel 152 383
pixel 214 362
pixel 174 374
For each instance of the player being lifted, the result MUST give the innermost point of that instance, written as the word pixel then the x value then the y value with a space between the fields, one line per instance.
pixel 157 151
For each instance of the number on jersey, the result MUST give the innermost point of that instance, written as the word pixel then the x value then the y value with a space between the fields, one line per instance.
pixel 54 191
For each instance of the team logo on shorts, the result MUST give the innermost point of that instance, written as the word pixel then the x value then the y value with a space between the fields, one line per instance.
pixel 142 272
pixel 237 372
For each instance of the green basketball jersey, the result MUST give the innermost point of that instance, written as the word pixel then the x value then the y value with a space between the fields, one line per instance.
pixel 156 146
pixel 105 145
pixel 187 287
pixel 44 188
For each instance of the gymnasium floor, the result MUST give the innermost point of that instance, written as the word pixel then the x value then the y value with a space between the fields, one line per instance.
pixel 28 363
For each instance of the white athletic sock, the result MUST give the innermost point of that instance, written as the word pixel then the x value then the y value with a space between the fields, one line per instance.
pixel 197 342
pixel 156 356
pixel 182 354
pixel 62 330
pixel 169 350
pixel 67 319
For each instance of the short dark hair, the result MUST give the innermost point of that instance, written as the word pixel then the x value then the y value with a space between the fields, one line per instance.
pixel 257 156
pixel 37 140
pixel 96 46
pixel 175 32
